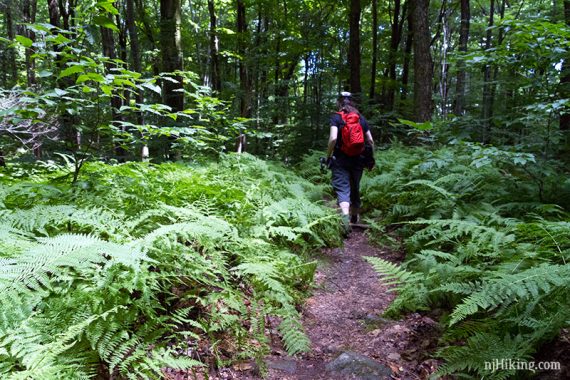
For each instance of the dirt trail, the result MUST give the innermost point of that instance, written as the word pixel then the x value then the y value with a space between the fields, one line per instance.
pixel 343 316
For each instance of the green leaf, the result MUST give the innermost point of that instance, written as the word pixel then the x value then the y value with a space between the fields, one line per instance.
pixel 59 39
pixel 45 74
pixel 426 126
pixel 108 6
pixel 105 22
pixel 90 76
pixel 24 41
pixel 71 70
pixel 152 87
pixel 107 89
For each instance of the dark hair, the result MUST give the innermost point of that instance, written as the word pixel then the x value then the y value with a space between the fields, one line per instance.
pixel 345 104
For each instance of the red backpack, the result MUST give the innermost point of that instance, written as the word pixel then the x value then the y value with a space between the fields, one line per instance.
pixel 352 134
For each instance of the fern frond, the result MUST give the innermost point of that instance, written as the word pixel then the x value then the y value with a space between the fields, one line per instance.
pixel 292 332
pixel 392 273
pixel 509 288
pixel 432 185
pixel 451 229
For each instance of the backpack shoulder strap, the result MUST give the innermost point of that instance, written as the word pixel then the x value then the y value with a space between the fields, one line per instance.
pixel 343 118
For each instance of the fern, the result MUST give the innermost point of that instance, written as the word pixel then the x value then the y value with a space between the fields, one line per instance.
pixel 484 348
pixel 141 259
pixel 450 230
pixel 483 247
pixel 392 273
pixel 511 288
pixel 294 338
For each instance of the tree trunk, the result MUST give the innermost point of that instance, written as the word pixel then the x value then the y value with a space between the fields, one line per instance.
pixel 245 87
pixel 372 93
pixel 495 68
pixel 407 54
pixel 443 79
pixel 171 51
pixel 29 8
pixel 11 34
pixel 53 10
pixel 459 106
pixel 108 44
pixel 69 132
pixel 354 48
pixel 215 79
pixel 565 77
pixel 487 110
pixel 423 64
pixel 396 36
pixel 564 92
pixel 135 50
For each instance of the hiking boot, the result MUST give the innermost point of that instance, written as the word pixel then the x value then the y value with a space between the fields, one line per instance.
pixel 354 219
pixel 346 228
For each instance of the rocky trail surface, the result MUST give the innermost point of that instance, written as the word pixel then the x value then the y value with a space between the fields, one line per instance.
pixel 349 338
pixel 342 318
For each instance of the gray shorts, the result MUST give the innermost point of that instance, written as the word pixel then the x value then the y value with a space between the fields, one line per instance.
pixel 346 175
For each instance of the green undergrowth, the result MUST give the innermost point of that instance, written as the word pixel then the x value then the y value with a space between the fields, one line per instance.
pixel 487 234
pixel 139 267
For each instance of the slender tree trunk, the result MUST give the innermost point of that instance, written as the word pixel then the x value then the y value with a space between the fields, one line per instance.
pixel 396 36
pixel 11 34
pixel 122 51
pixel 171 50
pixel 495 68
pixel 148 32
pixel 423 64
pixel 108 44
pixel 29 8
pixel 459 105
pixel 133 37
pixel 487 111
pixel 245 87
pixel 564 93
pixel 69 132
pixel 214 50
pixel 136 65
pixel 565 77
pixel 354 48
pixel 135 62
pixel 443 80
pixel 372 92
pixel 407 54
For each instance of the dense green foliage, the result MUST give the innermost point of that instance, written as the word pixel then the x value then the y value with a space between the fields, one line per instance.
pixel 137 267
pixel 119 268
pixel 82 69
pixel 487 233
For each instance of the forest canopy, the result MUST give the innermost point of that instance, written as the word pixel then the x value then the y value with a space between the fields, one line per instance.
pixel 110 77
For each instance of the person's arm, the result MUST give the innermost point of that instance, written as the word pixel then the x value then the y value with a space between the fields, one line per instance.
pixel 332 140
pixel 369 138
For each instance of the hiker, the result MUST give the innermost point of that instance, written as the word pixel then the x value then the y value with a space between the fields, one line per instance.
pixel 346 158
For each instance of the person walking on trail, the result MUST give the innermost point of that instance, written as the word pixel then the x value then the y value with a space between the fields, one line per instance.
pixel 349 135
